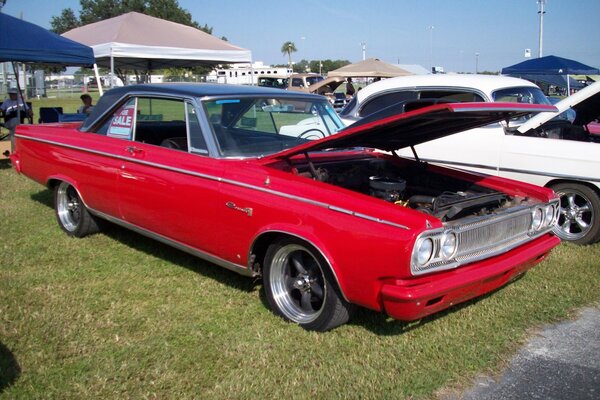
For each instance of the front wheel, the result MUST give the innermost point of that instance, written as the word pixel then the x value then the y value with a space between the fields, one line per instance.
pixel 579 218
pixel 71 214
pixel 300 288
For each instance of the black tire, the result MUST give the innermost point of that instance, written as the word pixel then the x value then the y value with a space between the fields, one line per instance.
pixel 300 287
pixel 579 218
pixel 71 214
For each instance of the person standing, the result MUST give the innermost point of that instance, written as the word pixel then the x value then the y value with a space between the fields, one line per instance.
pixel 87 106
pixel 350 88
pixel 10 110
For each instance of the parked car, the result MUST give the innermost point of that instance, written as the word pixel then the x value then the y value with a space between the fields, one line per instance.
pixel 309 83
pixel 339 101
pixel 273 81
pixel 594 129
pixel 315 83
pixel 328 223
pixel 570 167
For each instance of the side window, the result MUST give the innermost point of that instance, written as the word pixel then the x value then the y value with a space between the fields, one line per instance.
pixel 453 96
pixel 385 100
pixel 161 122
pixel 198 144
pixel 120 125
pixel 297 82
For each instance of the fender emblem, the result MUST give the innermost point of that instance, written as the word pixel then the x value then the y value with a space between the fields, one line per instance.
pixel 247 210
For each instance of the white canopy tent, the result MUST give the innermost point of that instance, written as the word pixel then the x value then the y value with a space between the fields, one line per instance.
pixel 371 67
pixel 141 42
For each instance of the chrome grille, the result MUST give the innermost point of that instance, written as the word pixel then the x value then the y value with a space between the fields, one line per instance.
pixel 482 237
pixel 477 238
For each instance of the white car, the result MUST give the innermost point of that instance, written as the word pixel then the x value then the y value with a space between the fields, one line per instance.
pixel 547 150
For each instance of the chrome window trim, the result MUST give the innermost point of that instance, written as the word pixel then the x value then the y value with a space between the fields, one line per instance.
pixel 223 180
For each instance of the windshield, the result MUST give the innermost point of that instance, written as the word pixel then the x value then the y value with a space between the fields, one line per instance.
pixel 568 115
pixel 528 95
pixel 525 94
pixel 311 80
pixel 253 127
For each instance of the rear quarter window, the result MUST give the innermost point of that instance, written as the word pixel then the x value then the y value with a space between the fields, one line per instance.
pixel 385 100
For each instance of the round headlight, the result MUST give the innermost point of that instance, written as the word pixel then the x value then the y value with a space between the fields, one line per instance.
pixel 537 217
pixel 448 245
pixel 424 251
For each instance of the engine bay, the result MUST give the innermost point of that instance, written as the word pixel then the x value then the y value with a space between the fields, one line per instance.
pixel 412 186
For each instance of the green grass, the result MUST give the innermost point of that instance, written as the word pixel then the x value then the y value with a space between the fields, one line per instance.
pixel 116 315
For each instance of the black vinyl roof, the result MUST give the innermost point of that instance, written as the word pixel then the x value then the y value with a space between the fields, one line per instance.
pixel 197 90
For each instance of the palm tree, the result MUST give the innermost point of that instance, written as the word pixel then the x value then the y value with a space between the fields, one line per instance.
pixel 289 48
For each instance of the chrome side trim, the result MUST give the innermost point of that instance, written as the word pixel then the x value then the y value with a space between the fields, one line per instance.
pixel 514 170
pixel 313 245
pixel 222 180
pixel 240 269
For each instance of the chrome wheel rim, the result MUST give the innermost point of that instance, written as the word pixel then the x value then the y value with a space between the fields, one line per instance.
pixel 576 216
pixel 68 206
pixel 297 283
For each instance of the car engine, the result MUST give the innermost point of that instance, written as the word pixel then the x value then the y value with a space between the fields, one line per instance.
pixel 413 186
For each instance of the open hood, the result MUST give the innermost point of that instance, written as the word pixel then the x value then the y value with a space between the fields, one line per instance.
pixel 393 128
pixel 332 82
pixel 585 102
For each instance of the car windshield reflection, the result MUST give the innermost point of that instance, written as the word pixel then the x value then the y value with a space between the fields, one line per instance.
pixel 254 127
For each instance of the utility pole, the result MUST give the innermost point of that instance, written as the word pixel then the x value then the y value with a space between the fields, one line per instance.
pixel 431 28
pixel 541 12
pixel 364 50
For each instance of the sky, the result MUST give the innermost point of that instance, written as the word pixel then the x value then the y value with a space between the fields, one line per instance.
pixel 458 35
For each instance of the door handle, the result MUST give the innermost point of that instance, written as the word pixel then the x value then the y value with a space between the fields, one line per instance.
pixel 133 150
pixel 246 210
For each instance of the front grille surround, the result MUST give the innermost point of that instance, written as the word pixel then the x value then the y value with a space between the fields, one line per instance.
pixel 479 238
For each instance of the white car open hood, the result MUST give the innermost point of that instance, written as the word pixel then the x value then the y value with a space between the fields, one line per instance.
pixel 584 101
pixel 392 129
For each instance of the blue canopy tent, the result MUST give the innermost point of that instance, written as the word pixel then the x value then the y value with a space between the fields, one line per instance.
pixel 22 41
pixel 555 80
pixel 550 65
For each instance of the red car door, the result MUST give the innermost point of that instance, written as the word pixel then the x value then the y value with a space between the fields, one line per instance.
pixel 163 189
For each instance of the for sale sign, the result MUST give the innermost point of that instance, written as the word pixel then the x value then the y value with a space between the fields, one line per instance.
pixel 122 122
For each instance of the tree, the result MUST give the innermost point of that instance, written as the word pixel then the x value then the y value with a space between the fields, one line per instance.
pixel 324 66
pixel 288 48
pixel 98 10
pixel 65 22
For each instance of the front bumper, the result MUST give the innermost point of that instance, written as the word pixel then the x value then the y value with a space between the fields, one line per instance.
pixel 411 299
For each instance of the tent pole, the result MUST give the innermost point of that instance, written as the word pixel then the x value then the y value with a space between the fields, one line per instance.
pixel 112 69
pixel 97 74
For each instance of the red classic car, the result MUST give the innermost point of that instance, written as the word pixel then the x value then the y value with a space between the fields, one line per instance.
pixel 230 175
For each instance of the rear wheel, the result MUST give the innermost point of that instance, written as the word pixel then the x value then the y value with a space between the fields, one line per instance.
pixel 300 288
pixel 72 215
pixel 579 218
